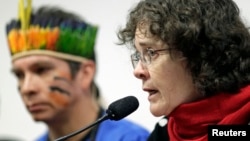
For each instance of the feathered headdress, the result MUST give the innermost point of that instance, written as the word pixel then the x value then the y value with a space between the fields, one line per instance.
pixel 50 34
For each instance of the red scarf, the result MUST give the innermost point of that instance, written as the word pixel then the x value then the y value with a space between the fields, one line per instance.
pixel 189 121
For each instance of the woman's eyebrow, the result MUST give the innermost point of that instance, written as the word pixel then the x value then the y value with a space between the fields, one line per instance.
pixel 144 43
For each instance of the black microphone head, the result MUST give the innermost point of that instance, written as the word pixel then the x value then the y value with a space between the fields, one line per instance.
pixel 122 108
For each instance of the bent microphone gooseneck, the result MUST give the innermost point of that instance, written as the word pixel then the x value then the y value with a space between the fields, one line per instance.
pixel 116 111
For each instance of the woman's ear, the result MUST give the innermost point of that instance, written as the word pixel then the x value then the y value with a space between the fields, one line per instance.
pixel 86 74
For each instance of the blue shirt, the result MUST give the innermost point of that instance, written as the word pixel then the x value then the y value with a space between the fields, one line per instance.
pixel 122 130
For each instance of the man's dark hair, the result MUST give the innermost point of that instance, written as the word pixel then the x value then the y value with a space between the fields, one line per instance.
pixel 74 68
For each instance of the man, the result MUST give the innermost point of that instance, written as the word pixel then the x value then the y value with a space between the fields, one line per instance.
pixel 54 62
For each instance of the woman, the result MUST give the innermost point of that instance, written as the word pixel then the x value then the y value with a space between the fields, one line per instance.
pixel 193 57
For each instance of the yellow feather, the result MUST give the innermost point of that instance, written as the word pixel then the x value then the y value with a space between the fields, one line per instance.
pixel 28 13
pixel 22 13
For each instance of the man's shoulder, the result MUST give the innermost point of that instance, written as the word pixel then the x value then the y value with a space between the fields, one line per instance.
pixel 123 124
pixel 43 137
pixel 122 130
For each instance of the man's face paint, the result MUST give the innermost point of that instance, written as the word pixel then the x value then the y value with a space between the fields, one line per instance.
pixel 59 88
pixel 43 94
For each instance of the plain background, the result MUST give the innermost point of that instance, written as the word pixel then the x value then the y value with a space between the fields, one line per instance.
pixel 114 76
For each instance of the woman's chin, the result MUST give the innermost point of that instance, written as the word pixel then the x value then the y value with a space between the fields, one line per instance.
pixel 155 111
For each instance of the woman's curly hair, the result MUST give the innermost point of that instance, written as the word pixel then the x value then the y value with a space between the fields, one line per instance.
pixel 209 33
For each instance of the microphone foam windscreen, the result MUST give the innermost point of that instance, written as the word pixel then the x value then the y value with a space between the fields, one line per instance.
pixel 122 107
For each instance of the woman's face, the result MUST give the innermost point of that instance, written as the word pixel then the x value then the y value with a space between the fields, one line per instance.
pixel 166 80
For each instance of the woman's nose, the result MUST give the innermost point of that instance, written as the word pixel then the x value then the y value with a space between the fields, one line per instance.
pixel 140 71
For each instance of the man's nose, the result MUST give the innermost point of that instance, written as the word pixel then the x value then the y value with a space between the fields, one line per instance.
pixel 28 86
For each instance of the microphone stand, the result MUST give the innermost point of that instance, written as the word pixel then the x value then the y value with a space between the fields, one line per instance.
pixel 105 117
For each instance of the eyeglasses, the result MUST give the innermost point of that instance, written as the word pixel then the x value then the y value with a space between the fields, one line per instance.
pixel 146 57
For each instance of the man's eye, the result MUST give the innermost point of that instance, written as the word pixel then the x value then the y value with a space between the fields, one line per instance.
pixel 19 75
pixel 41 70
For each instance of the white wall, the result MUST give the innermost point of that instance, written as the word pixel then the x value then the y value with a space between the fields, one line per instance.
pixel 114 74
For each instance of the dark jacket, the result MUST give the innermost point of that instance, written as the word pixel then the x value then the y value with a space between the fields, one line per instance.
pixel 160 131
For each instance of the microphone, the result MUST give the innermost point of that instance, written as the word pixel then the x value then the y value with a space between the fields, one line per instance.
pixel 116 111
